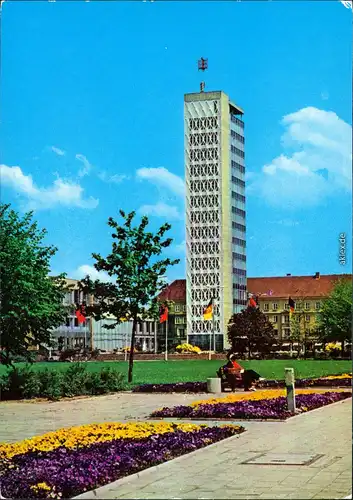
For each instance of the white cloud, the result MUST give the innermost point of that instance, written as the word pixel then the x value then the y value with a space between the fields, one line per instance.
pixel 161 210
pixel 161 177
pixel 114 179
pixel 285 222
pixel 319 167
pixel 60 193
pixel 84 270
pixel 87 167
pixel 58 151
pixel 117 179
pixel 102 175
pixel 346 3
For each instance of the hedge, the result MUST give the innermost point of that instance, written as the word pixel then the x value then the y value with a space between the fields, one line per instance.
pixel 26 383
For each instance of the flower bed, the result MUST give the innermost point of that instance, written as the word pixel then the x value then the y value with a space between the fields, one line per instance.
pixel 262 409
pixel 262 394
pixel 183 387
pixel 201 387
pixel 68 462
pixel 344 380
pixel 188 348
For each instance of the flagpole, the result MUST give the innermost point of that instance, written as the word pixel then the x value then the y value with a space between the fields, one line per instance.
pixel 214 325
pixel 155 337
pixel 166 340
pixel 125 345
pixel 210 346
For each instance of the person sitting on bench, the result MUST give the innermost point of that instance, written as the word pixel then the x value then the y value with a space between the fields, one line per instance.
pixel 233 371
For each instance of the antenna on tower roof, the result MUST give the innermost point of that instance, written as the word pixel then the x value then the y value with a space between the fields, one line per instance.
pixel 202 65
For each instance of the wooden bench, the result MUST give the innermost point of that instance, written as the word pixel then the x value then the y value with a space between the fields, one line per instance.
pixel 233 379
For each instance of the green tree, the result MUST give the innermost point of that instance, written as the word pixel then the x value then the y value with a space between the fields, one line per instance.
pixel 251 331
pixel 137 274
pixel 31 301
pixel 335 317
pixel 299 327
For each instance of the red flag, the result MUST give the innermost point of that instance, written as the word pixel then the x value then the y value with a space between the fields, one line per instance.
pixel 163 314
pixel 291 304
pixel 252 302
pixel 80 313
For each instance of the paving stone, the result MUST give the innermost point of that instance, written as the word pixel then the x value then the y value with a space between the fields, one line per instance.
pixel 276 490
pixel 270 495
pixel 248 491
pixel 300 495
pixel 324 495
pixel 324 478
pixel 296 480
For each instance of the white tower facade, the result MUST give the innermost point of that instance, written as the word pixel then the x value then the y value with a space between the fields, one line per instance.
pixel 215 214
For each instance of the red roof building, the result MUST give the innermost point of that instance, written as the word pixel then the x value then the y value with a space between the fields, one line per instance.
pixel 317 285
pixel 176 292
pixel 273 294
pixel 295 286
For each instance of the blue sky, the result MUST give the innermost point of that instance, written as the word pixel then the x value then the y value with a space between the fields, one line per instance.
pixel 92 121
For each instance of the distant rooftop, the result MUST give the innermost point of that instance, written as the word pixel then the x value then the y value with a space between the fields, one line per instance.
pixel 295 286
pixel 275 287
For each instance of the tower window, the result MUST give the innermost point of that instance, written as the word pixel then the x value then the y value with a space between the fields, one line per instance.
pixel 215 106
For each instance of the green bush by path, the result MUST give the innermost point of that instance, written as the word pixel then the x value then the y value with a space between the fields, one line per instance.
pixel 150 372
pixel 26 382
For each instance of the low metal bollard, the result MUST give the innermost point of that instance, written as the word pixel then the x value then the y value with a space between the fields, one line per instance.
pixel 290 388
pixel 214 385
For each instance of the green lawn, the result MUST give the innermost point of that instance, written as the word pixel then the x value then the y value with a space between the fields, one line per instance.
pixel 199 370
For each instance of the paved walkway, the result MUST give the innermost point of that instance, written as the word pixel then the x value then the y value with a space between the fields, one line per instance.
pixel 20 420
pixel 215 472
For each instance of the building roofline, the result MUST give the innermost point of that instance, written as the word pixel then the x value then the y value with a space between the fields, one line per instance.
pixel 216 94
pixel 237 109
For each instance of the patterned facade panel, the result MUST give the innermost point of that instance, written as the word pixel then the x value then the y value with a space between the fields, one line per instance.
pixel 200 233
pixel 204 170
pixel 203 232
pixel 197 217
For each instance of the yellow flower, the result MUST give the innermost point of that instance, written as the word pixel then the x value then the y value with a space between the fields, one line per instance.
pixel 188 348
pixel 337 377
pixel 333 346
pixel 264 394
pixel 85 435
pixel 41 486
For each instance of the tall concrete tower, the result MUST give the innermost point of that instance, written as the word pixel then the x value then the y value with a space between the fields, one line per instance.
pixel 215 214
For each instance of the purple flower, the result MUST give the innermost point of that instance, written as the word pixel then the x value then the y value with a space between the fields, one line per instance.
pixel 70 472
pixel 252 409
pixel 183 387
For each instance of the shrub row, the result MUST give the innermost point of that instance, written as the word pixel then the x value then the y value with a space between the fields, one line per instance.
pixel 26 383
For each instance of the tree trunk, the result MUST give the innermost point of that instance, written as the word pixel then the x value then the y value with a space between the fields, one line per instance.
pixel 132 348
